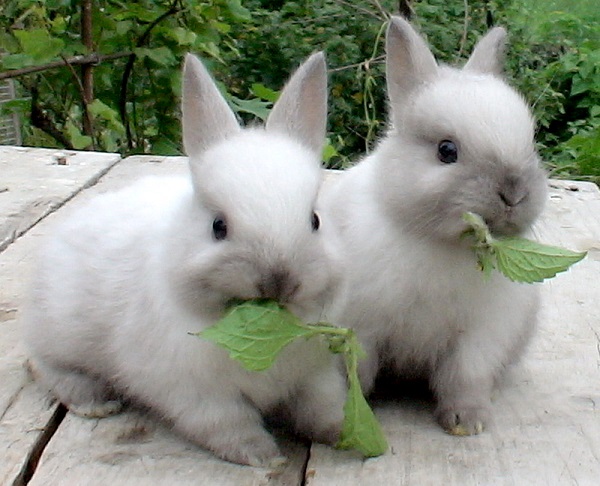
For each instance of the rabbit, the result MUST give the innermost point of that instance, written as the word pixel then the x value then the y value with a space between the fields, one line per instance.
pixel 459 140
pixel 121 283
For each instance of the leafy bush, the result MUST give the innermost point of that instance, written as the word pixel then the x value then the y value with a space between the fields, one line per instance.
pixel 553 58
pixel 134 108
pixel 556 63
pixel 282 33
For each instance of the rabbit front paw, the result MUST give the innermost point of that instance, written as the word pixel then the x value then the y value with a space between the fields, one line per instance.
pixel 463 420
pixel 258 451
pixel 96 409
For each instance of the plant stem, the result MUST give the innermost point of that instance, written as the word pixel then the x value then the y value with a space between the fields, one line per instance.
pixel 173 9
pixel 328 329
pixel 93 58
pixel 87 70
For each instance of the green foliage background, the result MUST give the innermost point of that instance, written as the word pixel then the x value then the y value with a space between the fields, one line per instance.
pixel 251 46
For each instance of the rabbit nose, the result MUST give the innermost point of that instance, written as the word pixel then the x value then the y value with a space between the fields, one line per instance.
pixel 512 198
pixel 511 193
pixel 279 285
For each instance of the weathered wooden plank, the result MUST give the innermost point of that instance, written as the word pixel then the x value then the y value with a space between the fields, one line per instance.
pixel 547 415
pixel 34 182
pixel 126 449
pixel 22 426
pixel 547 428
pixel 135 167
pixel 133 449
pixel 32 185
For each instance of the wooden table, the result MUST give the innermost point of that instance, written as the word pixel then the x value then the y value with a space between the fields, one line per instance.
pixel 547 415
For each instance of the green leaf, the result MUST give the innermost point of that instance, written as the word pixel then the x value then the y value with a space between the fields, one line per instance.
pixel 211 49
pixel 238 12
pixel 254 333
pixel 160 55
pixel 78 140
pixel 17 61
pixel 361 430
pixel 102 110
pixel 38 44
pixel 329 151
pixel 184 37
pixel 527 261
pixel 519 259
pixel 261 91
pixel 255 107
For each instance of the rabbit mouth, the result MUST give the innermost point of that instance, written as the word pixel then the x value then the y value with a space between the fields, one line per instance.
pixel 504 227
pixel 280 287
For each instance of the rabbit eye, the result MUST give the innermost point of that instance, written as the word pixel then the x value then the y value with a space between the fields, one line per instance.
pixel 315 221
pixel 447 152
pixel 219 228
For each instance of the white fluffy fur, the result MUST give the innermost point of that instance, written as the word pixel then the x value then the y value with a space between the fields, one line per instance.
pixel 121 283
pixel 412 290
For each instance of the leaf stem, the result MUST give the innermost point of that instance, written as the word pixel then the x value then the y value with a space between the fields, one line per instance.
pixel 324 328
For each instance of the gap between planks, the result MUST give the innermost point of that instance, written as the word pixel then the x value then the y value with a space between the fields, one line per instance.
pixel 33 458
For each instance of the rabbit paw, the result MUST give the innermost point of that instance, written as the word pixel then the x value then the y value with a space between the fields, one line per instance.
pixel 255 451
pixel 96 409
pixel 463 421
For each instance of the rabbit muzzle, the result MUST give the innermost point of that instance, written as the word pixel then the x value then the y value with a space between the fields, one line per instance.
pixel 278 284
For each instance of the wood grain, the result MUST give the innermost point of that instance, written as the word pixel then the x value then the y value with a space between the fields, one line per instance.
pixel 547 413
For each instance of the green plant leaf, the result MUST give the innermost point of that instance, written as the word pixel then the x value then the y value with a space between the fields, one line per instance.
pixel 17 61
pixel 519 259
pixel 78 140
pixel 184 37
pixel 256 107
pixel 527 261
pixel 361 430
pixel 238 12
pixel 160 55
pixel 329 151
pixel 102 110
pixel 254 333
pixel 38 44
pixel 261 91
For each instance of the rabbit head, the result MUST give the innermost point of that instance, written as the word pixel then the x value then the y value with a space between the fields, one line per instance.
pixel 461 140
pixel 256 191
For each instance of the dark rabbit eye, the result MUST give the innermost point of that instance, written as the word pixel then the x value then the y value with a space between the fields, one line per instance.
pixel 315 221
pixel 447 152
pixel 219 228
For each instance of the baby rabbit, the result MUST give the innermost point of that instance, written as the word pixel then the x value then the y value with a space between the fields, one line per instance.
pixel 460 140
pixel 121 283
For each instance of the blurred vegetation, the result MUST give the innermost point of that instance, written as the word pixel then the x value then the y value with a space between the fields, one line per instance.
pixel 252 46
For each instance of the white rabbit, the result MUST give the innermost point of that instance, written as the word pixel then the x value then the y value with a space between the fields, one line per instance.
pixel 460 140
pixel 121 283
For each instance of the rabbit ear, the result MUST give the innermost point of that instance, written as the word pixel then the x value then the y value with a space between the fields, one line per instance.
pixel 206 116
pixel 409 60
pixel 488 55
pixel 301 110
